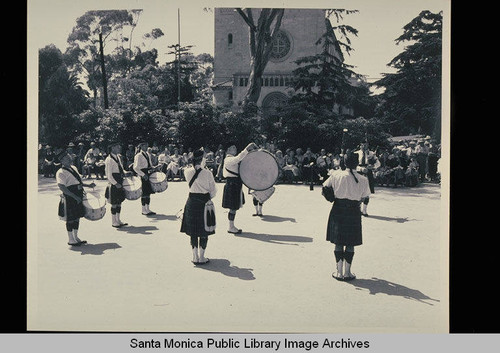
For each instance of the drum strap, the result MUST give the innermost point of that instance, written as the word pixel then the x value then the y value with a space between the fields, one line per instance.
pixel 147 159
pixel 230 171
pixel 74 174
pixel 117 162
pixel 198 171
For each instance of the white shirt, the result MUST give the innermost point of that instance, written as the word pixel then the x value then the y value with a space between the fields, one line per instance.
pixel 204 182
pixel 141 160
pixel 232 163
pixel 66 178
pixel 345 187
pixel 112 167
pixel 164 158
pixel 367 156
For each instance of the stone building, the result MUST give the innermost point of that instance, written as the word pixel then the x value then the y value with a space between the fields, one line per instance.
pixel 299 31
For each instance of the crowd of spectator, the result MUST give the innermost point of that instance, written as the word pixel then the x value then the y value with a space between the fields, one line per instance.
pixel 407 163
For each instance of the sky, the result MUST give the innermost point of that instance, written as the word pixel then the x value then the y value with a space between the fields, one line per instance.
pixel 379 23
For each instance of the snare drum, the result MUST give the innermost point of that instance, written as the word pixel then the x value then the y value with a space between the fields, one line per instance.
pixel 259 170
pixel 132 187
pixel 95 207
pixel 158 181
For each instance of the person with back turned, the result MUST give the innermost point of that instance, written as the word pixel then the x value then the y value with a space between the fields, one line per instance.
pixel 198 220
pixel 346 189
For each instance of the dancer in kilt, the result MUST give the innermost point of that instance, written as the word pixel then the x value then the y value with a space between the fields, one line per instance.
pixel 71 207
pixel 198 220
pixel 114 191
pixel 349 188
pixel 143 167
pixel 233 197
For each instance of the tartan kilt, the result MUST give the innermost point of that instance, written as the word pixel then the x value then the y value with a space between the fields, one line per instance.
pixel 193 221
pixel 233 197
pixel 114 195
pixel 344 223
pixel 68 208
pixel 371 179
pixel 147 189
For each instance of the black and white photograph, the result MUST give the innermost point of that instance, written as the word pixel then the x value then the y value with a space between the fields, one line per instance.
pixel 238 167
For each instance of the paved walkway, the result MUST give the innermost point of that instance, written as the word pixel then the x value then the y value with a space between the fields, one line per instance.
pixel 274 277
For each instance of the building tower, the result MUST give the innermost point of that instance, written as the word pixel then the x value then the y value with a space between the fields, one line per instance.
pixel 299 31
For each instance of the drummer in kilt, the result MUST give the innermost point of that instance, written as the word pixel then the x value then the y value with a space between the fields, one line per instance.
pixel 233 197
pixel 347 188
pixel 71 207
pixel 198 220
pixel 114 191
pixel 143 167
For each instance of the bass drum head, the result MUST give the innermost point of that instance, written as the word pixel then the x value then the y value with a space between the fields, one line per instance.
pixel 95 207
pixel 259 170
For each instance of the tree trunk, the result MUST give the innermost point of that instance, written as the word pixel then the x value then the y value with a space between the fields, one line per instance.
pixel 261 43
pixel 103 72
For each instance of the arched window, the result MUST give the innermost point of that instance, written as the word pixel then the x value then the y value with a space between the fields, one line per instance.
pixel 230 40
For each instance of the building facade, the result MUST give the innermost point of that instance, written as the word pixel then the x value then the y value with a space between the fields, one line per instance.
pixel 299 31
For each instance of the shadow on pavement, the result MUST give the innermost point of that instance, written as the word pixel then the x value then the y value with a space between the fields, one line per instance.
pixel 95 249
pixel 277 219
pixel 276 239
pixel 161 217
pixel 390 219
pixel 224 266
pixel 376 286
pixel 137 230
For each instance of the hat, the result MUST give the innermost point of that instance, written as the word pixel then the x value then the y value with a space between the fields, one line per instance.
pixel 71 144
pixel 80 144
pixel 198 153
pixel 92 143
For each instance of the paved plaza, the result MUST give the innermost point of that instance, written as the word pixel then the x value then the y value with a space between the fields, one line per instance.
pixel 274 277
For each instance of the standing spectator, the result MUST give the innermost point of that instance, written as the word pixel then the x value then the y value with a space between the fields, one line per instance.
pixel 290 170
pixel 48 165
pixel 422 151
pixel 71 153
pixel 80 157
pixel 323 164
pixel 432 163
pixel 219 161
pixel 129 157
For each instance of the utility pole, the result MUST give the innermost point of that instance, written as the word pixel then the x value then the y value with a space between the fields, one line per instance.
pixel 103 72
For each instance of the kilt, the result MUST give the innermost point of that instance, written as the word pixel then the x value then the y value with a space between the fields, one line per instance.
pixel 114 195
pixel 344 223
pixel 233 197
pixel 69 209
pixel 193 221
pixel 147 189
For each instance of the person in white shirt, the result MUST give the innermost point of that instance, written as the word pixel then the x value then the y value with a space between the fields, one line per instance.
pixel 348 188
pixel 114 191
pixel 233 197
pixel 143 167
pixel 71 207
pixel 367 162
pixel 198 220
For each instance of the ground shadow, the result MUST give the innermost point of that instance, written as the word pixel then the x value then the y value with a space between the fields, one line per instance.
pixel 95 249
pixel 269 218
pixel 224 266
pixel 377 285
pixel 161 217
pixel 391 219
pixel 276 239
pixel 137 230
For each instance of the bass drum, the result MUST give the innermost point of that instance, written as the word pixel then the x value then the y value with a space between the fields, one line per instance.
pixel 95 207
pixel 263 195
pixel 259 170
